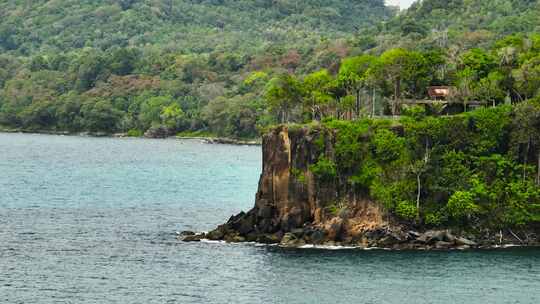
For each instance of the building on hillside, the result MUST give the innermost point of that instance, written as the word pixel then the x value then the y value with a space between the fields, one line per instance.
pixel 440 92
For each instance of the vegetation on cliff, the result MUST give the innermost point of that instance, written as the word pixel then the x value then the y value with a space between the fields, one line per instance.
pixel 478 169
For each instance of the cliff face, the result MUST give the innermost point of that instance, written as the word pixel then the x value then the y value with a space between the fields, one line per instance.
pixel 295 207
pixel 381 183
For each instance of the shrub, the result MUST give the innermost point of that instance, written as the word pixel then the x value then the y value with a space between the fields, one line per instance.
pixel 135 133
pixel 324 169
pixel 415 112
pixel 406 210
pixel 366 175
pixel 433 219
pixel 461 205
pixel 388 146
pixel 337 208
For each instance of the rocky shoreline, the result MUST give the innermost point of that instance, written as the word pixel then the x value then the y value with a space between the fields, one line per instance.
pixel 377 239
pixel 208 140
pixel 223 141
pixel 293 208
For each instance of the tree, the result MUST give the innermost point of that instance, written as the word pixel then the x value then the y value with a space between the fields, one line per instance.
pixel 100 116
pixel 353 75
pixel 528 78
pixel 283 93
pixel 172 116
pixel 526 132
pixel 317 88
pixel 152 110
pixel 461 205
pixel 89 70
pixel 122 61
pixel 394 65
pixel 490 88
pixel 479 62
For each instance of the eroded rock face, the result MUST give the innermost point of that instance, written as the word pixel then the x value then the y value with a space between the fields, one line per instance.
pixel 293 207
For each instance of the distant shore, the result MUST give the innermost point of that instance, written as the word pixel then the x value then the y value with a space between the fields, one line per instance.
pixel 208 140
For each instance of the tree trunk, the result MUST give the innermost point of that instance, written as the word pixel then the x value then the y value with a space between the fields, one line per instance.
pixel 312 108
pixel 372 102
pixel 419 189
pixel 397 96
pixel 357 105
pixel 526 159
pixel 538 171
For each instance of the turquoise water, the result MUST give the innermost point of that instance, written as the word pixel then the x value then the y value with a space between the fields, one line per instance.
pixel 93 220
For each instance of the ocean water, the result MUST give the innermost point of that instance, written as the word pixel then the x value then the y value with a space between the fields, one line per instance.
pixel 93 220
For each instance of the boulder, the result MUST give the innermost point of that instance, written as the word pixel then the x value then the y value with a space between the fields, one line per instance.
pixel 413 234
pixel 449 237
pixel 432 236
pixel 186 233
pixel 215 235
pixel 269 238
pixel 288 240
pixel 389 240
pixel 244 224
pixel 157 132
pixel 316 237
pixel 238 239
pixel 443 245
pixel 298 232
pixel 335 228
pixel 193 238
pixel 292 219
pixel 464 242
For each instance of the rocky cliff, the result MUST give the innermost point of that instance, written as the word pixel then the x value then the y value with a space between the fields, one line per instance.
pixel 294 206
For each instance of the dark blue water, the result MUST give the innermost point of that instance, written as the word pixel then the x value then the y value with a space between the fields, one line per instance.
pixel 93 220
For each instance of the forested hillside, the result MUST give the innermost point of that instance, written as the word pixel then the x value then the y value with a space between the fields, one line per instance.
pixel 187 26
pixel 118 66
pixel 230 68
pixel 455 24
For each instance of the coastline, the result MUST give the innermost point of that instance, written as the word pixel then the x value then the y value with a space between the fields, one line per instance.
pixel 188 237
pixel 295 207
pixel 207 140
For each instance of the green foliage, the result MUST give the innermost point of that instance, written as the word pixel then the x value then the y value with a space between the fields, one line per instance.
pixel 406 210
pixel 99 116
pixel 434 219
pixel 135 133
pixel 366 175
pixel 348 147
pixel 523 205
pixel 191 26
pixel 491 126
pixel 390 193
pixel 388 146
pixel 324 169
pixel 336 208
pixel 299 175
pixel 283 93
pixel 415 112
pixel 461 205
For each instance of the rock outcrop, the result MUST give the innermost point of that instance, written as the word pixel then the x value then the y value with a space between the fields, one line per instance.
pixel 294 207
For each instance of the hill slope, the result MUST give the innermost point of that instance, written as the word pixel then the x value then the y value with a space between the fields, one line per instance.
pixel 190 26
pixel 469 23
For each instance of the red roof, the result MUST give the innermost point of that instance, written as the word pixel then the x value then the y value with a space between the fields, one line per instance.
pixel 439 91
